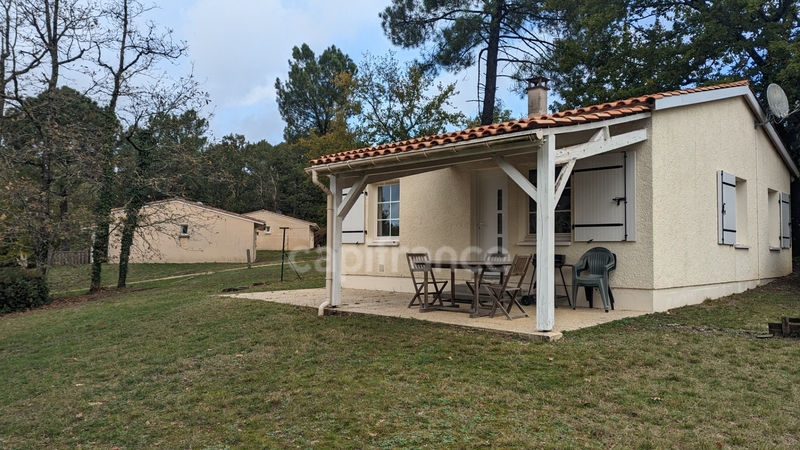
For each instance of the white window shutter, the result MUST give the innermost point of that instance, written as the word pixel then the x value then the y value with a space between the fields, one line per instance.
pixel 726 208
pixel 604 193
pixel 353 229
pixel 786 221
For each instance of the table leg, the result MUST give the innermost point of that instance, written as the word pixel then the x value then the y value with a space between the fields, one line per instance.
pixel 424 303
pixel 475 295
pixel 452 287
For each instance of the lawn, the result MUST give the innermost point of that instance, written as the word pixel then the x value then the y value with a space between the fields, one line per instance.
pixel 171 364
pixel 72 280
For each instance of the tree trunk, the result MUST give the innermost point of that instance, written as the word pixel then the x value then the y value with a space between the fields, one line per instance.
pixel 41 241
pixel 100 242
pixel 492 50
pixel 128 231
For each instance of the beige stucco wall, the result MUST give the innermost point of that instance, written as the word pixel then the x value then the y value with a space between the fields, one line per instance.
pixel 695 142
pixel 299 236
pixel 435 216
pixel 212 236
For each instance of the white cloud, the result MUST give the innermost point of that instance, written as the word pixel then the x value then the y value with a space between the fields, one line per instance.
pixel 239 48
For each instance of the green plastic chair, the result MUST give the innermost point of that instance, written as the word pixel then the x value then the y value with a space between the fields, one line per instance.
pixel 598 261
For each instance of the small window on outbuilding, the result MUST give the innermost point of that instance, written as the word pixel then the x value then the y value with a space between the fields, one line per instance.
pixel 267 230
pixel 184 230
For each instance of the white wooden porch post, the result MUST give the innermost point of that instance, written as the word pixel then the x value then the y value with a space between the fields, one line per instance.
pixel 335 257
pixel 545 234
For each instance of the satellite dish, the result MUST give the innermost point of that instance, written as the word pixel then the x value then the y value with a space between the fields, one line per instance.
pixel 778 103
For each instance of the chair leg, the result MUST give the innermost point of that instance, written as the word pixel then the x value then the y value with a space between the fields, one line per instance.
pixel 513 302
pixel 417 296
pixel 564 283
pixel 604 295
pixel 574 294
pixel 611 297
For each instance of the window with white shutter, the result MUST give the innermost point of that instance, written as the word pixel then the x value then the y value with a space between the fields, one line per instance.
pixel 786 221
pixel 604 191
pixel 353 229
pixel 726 208
pixel 773 219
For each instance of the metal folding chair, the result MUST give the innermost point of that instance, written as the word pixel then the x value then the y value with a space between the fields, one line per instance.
pixel 416 265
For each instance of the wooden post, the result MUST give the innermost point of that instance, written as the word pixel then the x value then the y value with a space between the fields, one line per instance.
pixel 248 259
pixel 545 234
pixel 335 257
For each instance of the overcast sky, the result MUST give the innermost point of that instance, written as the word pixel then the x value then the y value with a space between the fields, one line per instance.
pixel 239 47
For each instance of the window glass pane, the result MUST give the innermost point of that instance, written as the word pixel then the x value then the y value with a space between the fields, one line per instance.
pixel 389 210
pixel 383 194
pixel 564 203
pixel 563 222
pixel 563 209
pixel 499 199
pixel 499 243
pixel 499 223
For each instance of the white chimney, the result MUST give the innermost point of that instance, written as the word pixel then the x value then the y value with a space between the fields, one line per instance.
pixel 537 96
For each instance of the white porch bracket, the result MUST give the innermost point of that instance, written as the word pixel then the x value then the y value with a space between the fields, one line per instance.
pixel 596 147
pixel 516 176
pixel 561 181
pixel 357 187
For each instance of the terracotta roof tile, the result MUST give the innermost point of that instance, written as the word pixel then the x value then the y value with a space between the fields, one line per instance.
pixel 593 113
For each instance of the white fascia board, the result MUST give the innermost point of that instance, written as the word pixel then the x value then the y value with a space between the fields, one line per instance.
pixel 694 98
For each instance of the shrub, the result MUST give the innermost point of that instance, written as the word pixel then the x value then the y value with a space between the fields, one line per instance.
pixel 22 289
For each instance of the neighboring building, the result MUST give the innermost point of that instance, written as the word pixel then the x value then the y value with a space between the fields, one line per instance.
pixel 299 233
pixel 683 186
pixel 181 231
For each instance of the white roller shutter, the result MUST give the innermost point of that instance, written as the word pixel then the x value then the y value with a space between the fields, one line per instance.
pixel 726 208
pixel 604 194
pixel 353 229
pixel 786 221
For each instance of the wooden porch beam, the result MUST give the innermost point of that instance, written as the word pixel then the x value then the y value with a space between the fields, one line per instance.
pixel 352 196
pixel 593 148
pixel 335 256
pixel 561 181
pixel 515 175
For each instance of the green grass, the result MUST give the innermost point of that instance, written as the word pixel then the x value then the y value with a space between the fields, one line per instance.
pixel 170 364
pixel 69 280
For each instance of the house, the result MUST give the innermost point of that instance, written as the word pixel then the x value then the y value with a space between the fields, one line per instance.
pixel 688 188
pixel 299 233
pixel 182 231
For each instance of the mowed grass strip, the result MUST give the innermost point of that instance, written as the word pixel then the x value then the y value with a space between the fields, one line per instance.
pixel 171 364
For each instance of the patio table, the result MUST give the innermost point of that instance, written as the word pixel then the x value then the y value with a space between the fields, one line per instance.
pixel 475 266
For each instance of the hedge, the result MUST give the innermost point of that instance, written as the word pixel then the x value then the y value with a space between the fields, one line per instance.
pixel 21 289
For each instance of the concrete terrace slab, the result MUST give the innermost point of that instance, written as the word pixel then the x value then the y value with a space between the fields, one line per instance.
pixel 394 304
